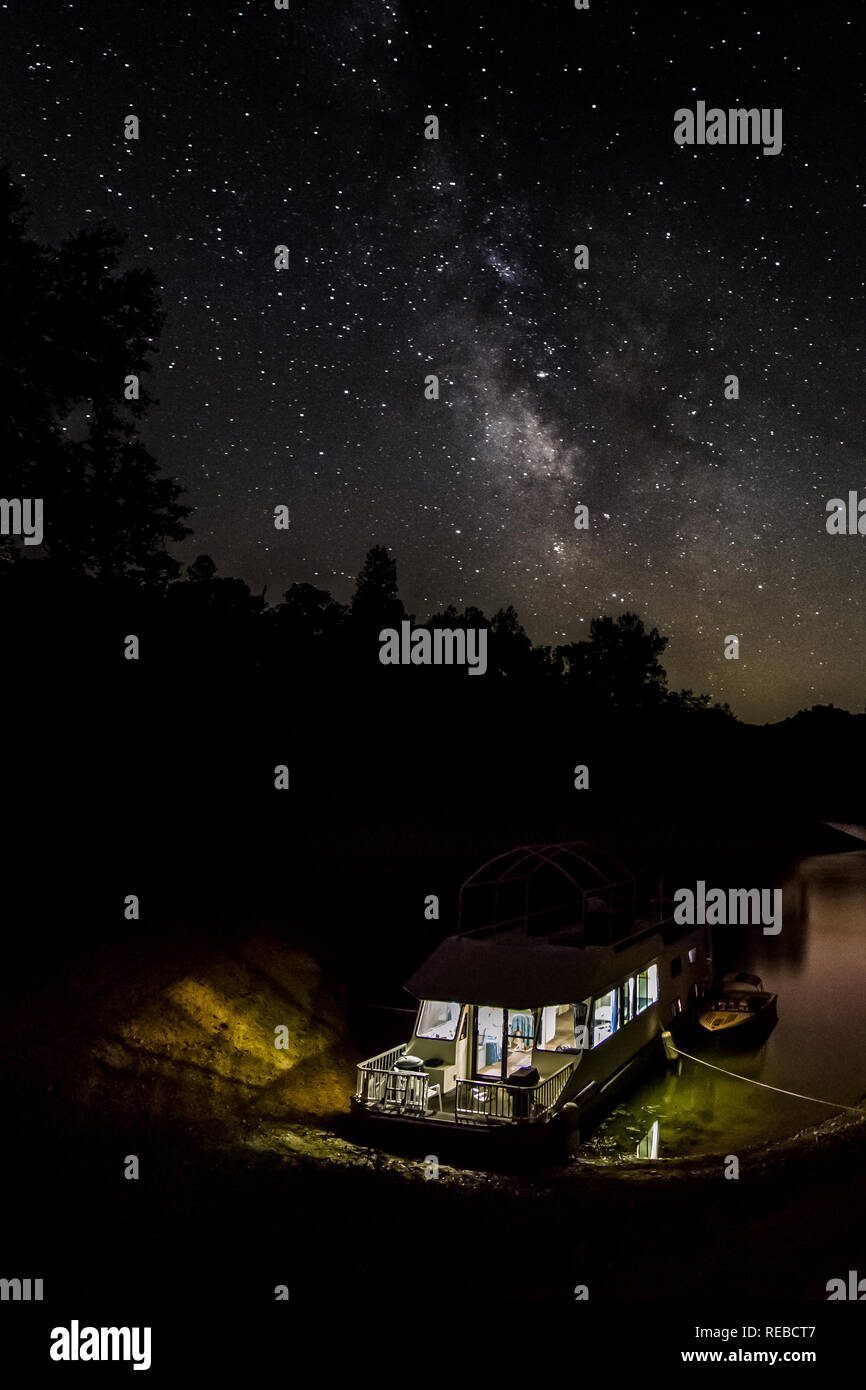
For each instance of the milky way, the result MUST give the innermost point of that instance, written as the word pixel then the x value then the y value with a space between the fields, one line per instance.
pixel 455 257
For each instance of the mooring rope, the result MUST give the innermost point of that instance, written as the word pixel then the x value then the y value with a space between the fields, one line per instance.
pixel 766 1087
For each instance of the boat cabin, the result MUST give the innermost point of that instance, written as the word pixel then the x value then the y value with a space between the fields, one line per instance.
pixel 561 977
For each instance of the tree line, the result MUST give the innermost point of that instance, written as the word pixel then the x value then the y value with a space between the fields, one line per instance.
pixel 72 436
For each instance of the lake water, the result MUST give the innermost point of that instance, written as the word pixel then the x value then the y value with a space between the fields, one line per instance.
pixel 817 966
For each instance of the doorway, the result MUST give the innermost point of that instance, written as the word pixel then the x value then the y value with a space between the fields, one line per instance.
pixel 462 1047
pixel 504 1039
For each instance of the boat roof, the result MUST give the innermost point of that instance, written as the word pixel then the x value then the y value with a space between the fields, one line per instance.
pixel 544 887
pixel 510 968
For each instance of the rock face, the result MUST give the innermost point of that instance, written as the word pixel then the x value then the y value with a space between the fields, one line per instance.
pixel 185 1033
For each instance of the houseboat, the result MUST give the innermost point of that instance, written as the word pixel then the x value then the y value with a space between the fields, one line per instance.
pixel 558 984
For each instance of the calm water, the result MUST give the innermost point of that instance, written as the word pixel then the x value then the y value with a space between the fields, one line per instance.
pixel 817 966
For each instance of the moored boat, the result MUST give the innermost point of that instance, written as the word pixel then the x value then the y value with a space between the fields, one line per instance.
pixel 740 1007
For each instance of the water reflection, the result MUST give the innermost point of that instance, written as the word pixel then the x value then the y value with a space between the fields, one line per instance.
pixel 817 965
pixel 648 1147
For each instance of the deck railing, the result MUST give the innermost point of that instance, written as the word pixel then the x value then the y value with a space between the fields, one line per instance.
pixel 385 1059
pixel 497 1100
pixel 547 1092
pixel 382 1086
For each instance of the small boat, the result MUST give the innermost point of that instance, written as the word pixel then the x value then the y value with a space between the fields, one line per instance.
pixel 741 1005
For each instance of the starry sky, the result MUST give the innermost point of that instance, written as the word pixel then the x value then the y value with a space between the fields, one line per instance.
pixel 409 256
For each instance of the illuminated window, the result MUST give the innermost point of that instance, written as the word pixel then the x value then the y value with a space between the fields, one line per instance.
pixel 564 1027
pixel 488 1041
pixel 626 1001
pixel 438 1020
pixel 604 1016
pixel 647 988
pixel 693 955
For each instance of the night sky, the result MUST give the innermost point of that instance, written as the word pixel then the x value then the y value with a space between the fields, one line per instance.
pixel 454 256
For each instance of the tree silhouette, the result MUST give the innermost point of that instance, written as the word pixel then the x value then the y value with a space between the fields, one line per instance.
pixel 511 651
pixel 76 327
pixel 686 700
pixel 201 571
pixel 453 618
pixel 204 593
pixel 618 667
pixel 307 613
pixel 376 603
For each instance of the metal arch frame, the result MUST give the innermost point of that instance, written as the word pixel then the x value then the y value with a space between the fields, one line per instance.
pixel 544 854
